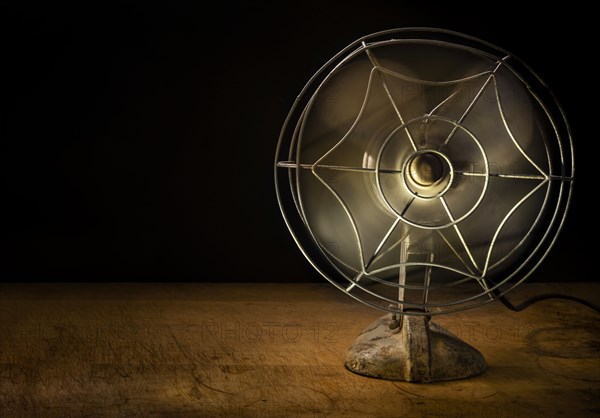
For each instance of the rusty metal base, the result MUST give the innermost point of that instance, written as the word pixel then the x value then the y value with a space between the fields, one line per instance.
pixel 419 351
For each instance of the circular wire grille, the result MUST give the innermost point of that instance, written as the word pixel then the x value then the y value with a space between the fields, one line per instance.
pixel 423 171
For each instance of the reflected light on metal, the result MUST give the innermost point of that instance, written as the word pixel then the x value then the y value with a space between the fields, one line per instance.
pixel 422 172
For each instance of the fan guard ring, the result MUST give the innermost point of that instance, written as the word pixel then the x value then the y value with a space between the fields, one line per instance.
pixel 298 173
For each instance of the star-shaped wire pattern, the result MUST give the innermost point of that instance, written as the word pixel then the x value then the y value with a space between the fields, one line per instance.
pixel 396 235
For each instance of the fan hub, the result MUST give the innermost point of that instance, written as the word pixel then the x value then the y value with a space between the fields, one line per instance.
pixel 427 173
pixel 426 169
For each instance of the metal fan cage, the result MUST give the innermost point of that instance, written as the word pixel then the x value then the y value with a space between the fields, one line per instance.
pixel 553 180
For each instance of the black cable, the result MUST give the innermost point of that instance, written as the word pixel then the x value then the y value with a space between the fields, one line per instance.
pixel 528 302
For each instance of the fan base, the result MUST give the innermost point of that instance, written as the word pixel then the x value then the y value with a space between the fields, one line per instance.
pixel 421 351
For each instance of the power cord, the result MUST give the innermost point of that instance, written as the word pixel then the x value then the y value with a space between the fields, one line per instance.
pixel 528 302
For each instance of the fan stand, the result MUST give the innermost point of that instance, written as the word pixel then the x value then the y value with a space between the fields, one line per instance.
pixel 416 351
pixel 410 347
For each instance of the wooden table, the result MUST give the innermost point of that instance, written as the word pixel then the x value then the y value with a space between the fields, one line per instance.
pixel 274 350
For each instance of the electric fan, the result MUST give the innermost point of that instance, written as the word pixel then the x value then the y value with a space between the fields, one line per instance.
pixel 423 172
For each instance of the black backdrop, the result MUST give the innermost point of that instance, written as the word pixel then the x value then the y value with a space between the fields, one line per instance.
pixel 137 140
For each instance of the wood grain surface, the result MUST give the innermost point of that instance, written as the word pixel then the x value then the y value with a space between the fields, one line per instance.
pixel 274 350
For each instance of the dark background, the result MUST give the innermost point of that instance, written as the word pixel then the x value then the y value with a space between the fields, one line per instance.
pixel 137 141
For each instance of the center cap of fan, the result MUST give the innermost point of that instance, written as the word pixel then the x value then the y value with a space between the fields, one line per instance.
pixel 427 173
pixel 426 169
